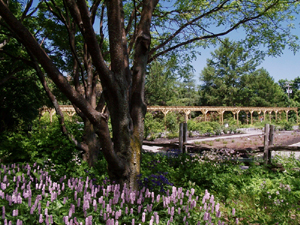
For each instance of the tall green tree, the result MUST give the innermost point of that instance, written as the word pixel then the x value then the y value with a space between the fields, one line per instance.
pixel 260 89
pixel 186 91
pixel 222 76
pixel 231 78
pixel 160 82
pixel 170 82
pixel 137 33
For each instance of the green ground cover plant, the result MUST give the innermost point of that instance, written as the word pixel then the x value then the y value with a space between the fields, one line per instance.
pixel 174 189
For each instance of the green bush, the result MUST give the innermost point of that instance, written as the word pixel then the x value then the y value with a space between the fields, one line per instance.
pixel 230 121
pixel 45 143
pixel 232 129
pixel 288 126
pixel 16 147
pixel 193 125
pixel 173 135
pixel 152 126
pixel 172 122
pixel 215 125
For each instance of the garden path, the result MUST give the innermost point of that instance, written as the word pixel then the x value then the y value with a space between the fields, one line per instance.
pixel 248 132
pixel 297 154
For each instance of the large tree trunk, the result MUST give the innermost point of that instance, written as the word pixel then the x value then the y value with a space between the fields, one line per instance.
pixel 91 139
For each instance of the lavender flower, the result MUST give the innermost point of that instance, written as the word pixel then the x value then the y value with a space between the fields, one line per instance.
pixel 41 218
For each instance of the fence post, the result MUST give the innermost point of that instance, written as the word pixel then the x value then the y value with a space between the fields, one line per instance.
pixel 181 137
pixel 271 136
pixel 266 143
pixel 271 142
pixel 184 136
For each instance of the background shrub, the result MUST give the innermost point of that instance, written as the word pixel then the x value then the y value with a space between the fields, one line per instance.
pixel 152 126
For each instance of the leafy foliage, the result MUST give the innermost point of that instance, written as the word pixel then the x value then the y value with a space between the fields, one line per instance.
pixel 232 78
pixel 44 143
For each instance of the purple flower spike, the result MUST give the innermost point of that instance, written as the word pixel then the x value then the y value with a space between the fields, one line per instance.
pixel 90 218
pixel 41 218
pixel 217 207
pixel 212 199
pixel 233 211
pixel 157 219
pixel 205 216
pixel 70 212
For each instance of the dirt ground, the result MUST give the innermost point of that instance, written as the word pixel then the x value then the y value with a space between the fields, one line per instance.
pixel 282 138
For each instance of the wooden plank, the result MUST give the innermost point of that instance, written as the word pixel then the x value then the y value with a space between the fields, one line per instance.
pixel 281 148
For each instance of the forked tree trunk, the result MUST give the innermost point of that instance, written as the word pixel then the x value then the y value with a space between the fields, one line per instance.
pixel 123 89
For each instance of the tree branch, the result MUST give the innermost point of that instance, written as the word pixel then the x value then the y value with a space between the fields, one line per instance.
pixel 29 42
pixel 116 42
pixel 28 5
pixel 93 10
pixel 235 26
pixel 71 34
pixel 61 118
pixel 217 8
pixel 84 23
pixel 101 25
pixel 142 47
pixel 95 117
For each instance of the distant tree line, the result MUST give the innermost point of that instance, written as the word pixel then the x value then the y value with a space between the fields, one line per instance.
pixel 232 77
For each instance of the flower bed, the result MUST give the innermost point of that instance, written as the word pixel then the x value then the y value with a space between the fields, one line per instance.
pixel 30 196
